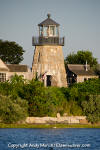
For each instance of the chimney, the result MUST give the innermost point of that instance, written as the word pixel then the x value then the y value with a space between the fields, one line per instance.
pixel 86 66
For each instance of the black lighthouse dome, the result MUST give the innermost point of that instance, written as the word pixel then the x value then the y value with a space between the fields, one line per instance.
pixel 48 21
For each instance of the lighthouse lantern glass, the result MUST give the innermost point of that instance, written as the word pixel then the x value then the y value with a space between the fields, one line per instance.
pixel 57 31
pixel 45 31
pixel 52 30
pixel 41 31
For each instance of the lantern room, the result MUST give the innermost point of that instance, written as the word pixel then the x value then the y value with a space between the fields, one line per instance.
pixel 48 28
pixel 48 33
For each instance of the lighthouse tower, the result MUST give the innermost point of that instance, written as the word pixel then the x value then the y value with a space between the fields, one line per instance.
pixel 48 60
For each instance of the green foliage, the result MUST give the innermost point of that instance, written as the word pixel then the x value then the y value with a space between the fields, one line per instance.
pixel 10 52
pixel 12 110
pixel 80 58
pixel 16 84
pixel 96 68
pixel 36 77
pixel 73 104
pixel 5 88
pixel 73 93
pixel 74 108
pixel 13 87
pixel 2 125
pixel 91 108
pixel 43 101
pixel 90 86
pixel 34 93
pixel 78 93
pixel 48 101
pixel 55 100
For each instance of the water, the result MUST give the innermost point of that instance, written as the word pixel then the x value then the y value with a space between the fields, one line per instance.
pixel 49 139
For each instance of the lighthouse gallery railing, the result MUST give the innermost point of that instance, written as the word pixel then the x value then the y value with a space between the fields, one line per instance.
pixel 47 41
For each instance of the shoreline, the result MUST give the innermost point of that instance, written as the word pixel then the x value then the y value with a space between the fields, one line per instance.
pixel 54 126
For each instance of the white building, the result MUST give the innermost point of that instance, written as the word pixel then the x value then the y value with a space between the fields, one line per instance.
pixel 9 70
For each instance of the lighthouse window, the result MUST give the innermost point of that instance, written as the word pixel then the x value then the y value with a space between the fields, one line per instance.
pixel 41 31
pixel 45 31
pixel 52 30
pixel 57 32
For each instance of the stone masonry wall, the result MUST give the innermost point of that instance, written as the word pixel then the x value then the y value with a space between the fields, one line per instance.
pixel 49 60
pixel 50 120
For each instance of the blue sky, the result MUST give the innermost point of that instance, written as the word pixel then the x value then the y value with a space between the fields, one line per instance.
pixel 79 22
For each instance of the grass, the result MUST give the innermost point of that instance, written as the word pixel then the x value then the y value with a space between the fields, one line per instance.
pixel 2 125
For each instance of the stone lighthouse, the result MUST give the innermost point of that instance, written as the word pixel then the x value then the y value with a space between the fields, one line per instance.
pixel 48 60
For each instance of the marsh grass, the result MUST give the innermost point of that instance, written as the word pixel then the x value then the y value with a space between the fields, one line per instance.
pixel 2 125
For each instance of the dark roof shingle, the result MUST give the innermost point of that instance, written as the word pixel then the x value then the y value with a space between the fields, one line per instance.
pixel 83 72
pixel 48 21
pixel 4 69
pixel 79 69
pixel 17 68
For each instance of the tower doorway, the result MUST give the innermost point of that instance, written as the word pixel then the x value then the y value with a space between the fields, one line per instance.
pixel 48 80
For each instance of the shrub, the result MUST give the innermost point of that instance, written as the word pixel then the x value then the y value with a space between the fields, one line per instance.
pixel 74 108
pixel 90 86
pixel 12 87
pixel 5 88
pixel 43 101
pixel 16 84
pixel 12 110
pixel 48 101
pixel 55 101
pixel 91 108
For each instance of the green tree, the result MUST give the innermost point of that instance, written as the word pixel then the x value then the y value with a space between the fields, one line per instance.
pixel 81 57
pixel 56 101
pixel 78 93
pixel 5 88
pixel 90 87
pixel 16 84
pixel 13 87
pixel 74 108
pixel 91 108
pixel 11 52
pixel 12 110
pixel 96 68
pixel 43 101
pixel 33 92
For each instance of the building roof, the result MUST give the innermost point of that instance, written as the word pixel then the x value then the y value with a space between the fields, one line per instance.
pixel 4 69
pixel 84 72
pixel 48 21
pixel 79 69
pixel 3 66
pixel 17 68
